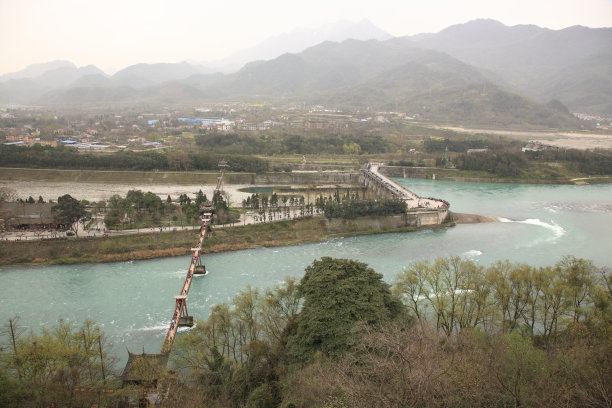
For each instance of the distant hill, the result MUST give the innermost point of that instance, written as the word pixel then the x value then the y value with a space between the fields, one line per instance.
pixel 21 91
pixel 58 74
pixel 391 75
pixel 67 83
pixel 488 105
pixel 585 86
pixel 398 74
pixel 35 70
pixel 377 75
pixel 329 67
pixel 64 76
pixel 143 75
pixel 300 39
pixel 535 60
pixel 92 80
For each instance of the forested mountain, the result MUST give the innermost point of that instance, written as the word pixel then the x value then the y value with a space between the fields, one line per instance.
pixel 143 75
pixel 35 70
pixel 300 39
pixel 28 85
pixel 472 73
pixel 64 76
pixel 572 65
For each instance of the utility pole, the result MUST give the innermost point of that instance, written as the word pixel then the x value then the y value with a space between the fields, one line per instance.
pixel 12 328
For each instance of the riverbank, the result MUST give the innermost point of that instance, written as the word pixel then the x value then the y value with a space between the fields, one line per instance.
pixel 175 243
pixel 541 176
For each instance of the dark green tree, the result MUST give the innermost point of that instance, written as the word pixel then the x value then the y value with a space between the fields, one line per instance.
pixel 69 211
pixel 200 198
pixel 184 198
pixel 338 293
pixel 219 202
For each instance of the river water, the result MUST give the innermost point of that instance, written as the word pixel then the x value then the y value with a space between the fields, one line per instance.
pixel 133 301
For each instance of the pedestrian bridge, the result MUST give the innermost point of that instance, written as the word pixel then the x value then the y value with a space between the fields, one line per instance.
pixel 431 210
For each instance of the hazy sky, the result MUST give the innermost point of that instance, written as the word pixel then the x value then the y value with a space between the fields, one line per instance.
pixel 113 34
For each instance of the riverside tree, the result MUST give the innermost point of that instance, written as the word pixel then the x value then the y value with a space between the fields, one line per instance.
pixel 338 293
pixel 60 366
pixel 69 211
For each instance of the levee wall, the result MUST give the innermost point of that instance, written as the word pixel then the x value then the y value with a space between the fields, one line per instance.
pixel 364 224
pixel 168 177
pixel 423 217
pixel 376 190
pixel 306 178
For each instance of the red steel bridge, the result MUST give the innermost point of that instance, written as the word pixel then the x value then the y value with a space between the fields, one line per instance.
pixel 181 317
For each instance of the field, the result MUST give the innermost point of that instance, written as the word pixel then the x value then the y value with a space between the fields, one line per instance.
pixel 566 140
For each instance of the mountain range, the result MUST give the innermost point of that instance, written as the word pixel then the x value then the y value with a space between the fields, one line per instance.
pixel 480 71
pixel 297 41
pixel 573 65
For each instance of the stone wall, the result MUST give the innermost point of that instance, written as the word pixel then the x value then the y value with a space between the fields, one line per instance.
pixel 307 178
pixel 365 224
pixel 405 172
pixel 425 217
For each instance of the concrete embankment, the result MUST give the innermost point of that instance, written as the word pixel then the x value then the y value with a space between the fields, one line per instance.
pixel 167 177
pixel 461 218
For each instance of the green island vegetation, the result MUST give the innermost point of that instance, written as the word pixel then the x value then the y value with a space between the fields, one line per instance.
pixel 145 210
pixel 445 333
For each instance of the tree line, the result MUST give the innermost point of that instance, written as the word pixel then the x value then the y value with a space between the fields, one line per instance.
pixel 274 143
pixel 598 161
pixel 350 209
pixel 138 209
pixel 462 145
pixel 509 163
pixel 504 164
pixel 70 158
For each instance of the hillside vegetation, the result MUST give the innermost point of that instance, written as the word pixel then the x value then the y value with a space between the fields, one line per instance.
pixel 446 333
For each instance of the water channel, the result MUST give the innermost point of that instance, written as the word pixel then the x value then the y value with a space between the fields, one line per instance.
pixel 133 301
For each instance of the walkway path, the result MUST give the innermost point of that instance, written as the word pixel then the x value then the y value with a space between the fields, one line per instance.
pixel 413 201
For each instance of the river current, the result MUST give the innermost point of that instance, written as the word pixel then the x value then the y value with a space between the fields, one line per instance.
pixel 133 301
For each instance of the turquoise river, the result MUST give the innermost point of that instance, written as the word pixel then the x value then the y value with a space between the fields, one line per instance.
pixel 133 301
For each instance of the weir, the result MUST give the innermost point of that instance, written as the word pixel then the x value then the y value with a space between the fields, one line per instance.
pixel 416 206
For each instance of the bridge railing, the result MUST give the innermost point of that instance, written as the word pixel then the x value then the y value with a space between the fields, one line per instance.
pixel 395 188
pixel 370 170
pixel 180 306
